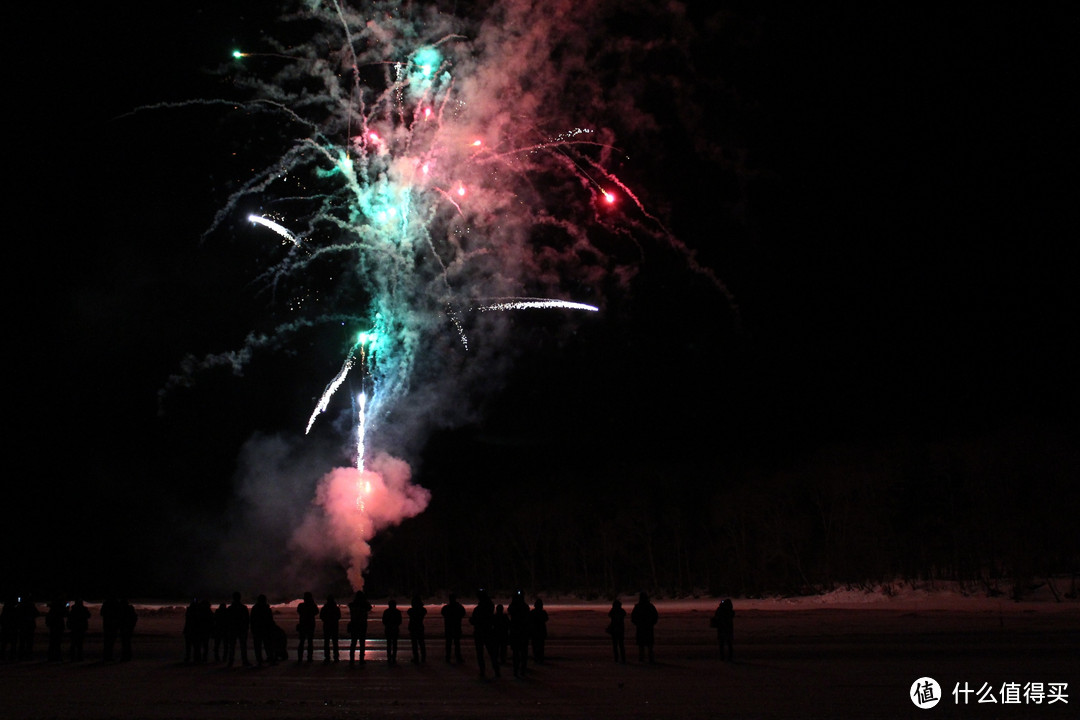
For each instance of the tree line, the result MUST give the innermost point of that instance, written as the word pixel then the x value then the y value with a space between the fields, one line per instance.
pixel 996 512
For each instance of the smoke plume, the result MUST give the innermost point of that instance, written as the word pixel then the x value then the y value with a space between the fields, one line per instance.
pixel 341 525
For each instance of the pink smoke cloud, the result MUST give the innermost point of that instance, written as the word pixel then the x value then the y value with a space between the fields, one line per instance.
pixel 351 506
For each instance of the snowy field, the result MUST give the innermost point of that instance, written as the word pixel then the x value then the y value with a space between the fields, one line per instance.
pixel 849 654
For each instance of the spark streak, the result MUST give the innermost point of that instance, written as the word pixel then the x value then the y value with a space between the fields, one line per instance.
pixel 534 304
pixel 331 388
pixel 361 429
pixel 279 229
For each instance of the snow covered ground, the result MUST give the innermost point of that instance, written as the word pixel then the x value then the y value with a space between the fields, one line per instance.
pixel 849 653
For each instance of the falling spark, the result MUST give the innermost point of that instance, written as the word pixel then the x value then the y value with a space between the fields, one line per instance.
pixel 279 229
pixel 535 304
pixel 331 388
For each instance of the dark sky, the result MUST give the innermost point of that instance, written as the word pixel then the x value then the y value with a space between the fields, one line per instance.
pixel 887 193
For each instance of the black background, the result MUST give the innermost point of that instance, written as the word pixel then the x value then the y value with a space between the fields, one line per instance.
pixel 892 208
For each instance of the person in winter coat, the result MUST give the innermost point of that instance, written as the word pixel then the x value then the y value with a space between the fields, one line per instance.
pixel 644 617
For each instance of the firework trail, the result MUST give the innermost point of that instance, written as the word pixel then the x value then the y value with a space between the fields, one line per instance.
pixel 279 229
pixel 534 303
pixel 444 176
pixel 361 431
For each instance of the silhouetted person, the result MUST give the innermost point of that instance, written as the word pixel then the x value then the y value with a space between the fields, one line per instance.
pixel 416 613
pixel 453 613
pixel 501 628
pixel 358 617
pixel 78 623
pixel 55 619
pixel 391 620
pixel 617 629
pixel 330 615
pixel 262 627
pixel 221 623
pixel 128 618
pixel 110 626
pixel 26 615
pixel 205 615
pixel 518 610
pixel 483 622
pixel 277 643
pixel 724 622
pixel 308 610
pixel 644 617
pixel 191 631
pixel 538 619
pixel 9 632
pixel 237 622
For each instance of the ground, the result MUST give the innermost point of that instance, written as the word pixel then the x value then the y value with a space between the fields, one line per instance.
pixel 851 655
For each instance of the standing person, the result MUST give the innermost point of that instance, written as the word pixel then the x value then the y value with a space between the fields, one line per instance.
pixel 391 620
pixel 330 614
pixel 358 616
pixel 110 626
pixel 277 643
pixel 26 615
pixel 237 621
pixel 78 623
pixel 483 622
pixel 617 629
pixel 128 618
pixel 518 611
pixel 724 622
pixel 416 613
pixel 644 617
pixel 453 613
pixel 262 625
pixel 502 632
pixel 538 619
pixel 308 610
pixel 205 629
pixel 221 624
pixel 9 633
pixel 190 632
pixel 54 621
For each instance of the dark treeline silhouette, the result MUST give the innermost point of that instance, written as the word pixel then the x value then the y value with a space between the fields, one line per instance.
pixel 908 510
pixel 993 510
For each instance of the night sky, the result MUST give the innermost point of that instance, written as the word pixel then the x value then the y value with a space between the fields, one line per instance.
pixel 887 194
